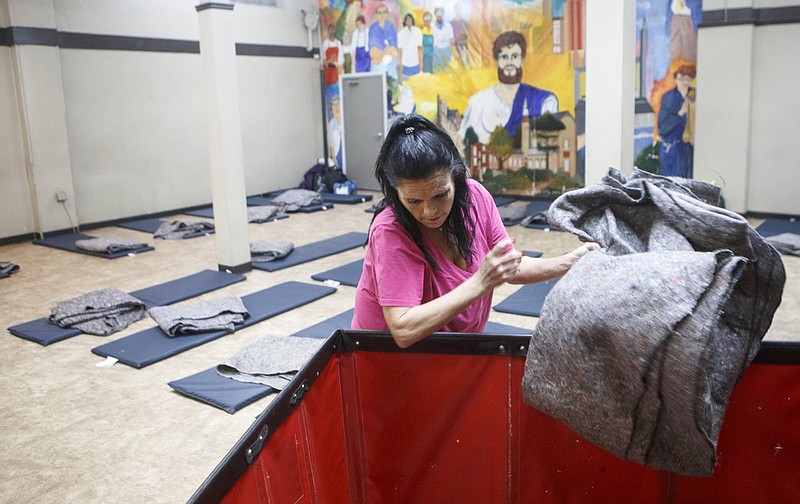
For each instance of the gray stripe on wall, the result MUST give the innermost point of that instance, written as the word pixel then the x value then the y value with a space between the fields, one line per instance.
pixel 746 15
pixel 20 35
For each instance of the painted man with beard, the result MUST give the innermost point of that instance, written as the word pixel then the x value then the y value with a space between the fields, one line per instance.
pixel 507 102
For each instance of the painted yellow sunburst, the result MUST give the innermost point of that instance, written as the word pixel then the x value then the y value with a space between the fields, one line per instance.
pixel 542 68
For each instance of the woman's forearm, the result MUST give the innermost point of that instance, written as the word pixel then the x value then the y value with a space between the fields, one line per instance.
pixel 409 325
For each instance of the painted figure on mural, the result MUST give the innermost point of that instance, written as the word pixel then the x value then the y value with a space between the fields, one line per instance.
pixel 347 49
pixel 333 62
pixel 383 43
pixel 335 130
pixel 460 33
pixel 360 48
pixel 443 40
pixel 427 42
pixel 409 41
pixel 676 126
pixel 510 100
pixel 682 36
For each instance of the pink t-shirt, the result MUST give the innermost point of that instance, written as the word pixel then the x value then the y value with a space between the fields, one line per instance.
pixel 396 273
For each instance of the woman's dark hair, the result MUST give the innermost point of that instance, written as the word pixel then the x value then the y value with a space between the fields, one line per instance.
pixel 409 15
pixel 416 149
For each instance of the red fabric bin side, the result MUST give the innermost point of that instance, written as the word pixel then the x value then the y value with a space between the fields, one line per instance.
pixel 434 427
pixel 303 459
pixel 758 455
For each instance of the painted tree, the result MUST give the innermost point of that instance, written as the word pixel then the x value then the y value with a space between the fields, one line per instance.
pixel 501 145
pixel 547 127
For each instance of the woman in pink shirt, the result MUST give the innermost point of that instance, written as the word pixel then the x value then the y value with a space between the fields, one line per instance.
pixel 437 246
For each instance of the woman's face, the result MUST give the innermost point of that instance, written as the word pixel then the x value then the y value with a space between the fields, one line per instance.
pixel 430 199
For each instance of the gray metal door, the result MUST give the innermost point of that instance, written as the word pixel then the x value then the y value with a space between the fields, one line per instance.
pixel 363 104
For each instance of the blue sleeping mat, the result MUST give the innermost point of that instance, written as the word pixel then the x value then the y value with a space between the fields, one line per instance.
pixel 772 227
pixel 152 345
pixel 322 330
pixel 258 201
pixel 150 225
pixel 208 212
pixel 498 328
pixel 313 208
pixel 527 300
pixel 347 199
pixel 67 242
pixel 186 287
pixel 315 250
pixel 225 393
pixel 503 200
pixel 231 395
pixel 349 274
pixel 43 332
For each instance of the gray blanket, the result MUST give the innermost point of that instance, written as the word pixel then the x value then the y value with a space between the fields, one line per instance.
pixel 100 312
pixel 640 345
pixel 262 213
pixel 293 199
pixel 271 360
pixel 219 314
pixel 109 245
pixel 8 267
pixel 177 229
pixel 264 251
pixel 786 243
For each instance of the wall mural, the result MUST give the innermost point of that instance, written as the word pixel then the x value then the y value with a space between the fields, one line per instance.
pixel 506 79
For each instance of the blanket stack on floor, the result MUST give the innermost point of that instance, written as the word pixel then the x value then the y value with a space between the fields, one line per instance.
pixel 264 251
pixel 271 360
pixel 294 199
pixel 101 312
pixel 640 344
pixel 177 229
pixel 262 213
pixel 109 245
pixel 7 268
pixel 219 314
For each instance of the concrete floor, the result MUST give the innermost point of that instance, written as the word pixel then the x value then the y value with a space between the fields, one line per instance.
pixel 75 432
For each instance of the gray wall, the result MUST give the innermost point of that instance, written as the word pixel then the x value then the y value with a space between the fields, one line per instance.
pixel 123 132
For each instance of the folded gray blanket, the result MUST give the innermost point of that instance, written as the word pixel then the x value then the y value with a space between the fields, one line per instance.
pixel 109 245
pixel 8 267
pixel 270 360
pixel 263 251
pixel 100 312
pixel 293 199
pixel 640 345
pixel 263 213
pixel 177 229
pixel 219 314
pixel 786 243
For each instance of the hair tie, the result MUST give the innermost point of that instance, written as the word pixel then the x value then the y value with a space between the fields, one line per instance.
pixel 409 129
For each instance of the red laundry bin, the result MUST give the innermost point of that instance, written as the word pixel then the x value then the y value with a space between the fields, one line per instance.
pixel 444 422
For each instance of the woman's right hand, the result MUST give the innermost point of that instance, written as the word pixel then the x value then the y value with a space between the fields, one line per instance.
pixel 500 265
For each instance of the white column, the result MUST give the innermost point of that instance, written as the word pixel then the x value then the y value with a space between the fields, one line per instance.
pixel 610 94
pixel 220 79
